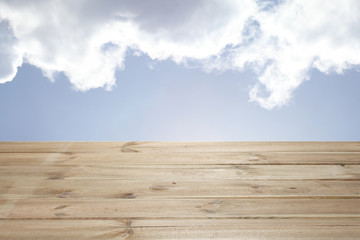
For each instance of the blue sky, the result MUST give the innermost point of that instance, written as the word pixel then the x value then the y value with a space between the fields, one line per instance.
pixel 145 79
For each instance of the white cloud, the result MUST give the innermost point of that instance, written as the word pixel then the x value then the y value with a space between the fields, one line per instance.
pixel 88 39
pixel 301 35
pixel 10 58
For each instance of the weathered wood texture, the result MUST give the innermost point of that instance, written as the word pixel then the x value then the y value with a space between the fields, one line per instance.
pixel 180 190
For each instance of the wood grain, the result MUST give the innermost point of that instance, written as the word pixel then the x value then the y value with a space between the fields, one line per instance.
pixel 181 229
pixel 177 147
pixel 139 189
pixel 202 158
pixel 184 172
pixel 180 190
pixel 184 208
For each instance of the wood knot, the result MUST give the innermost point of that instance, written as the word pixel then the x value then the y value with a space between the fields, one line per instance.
pixel 257 157
pixel 159 187
pixel 217 201
pixel 211 211
pixel 61 207
pixel 211 207
pixel 66 195
pixel 129 230
pixel 125 147
pixel 56 176
pixel 126 195
pixel 60 214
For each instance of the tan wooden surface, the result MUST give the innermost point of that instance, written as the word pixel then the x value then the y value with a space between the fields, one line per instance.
pixel 180 190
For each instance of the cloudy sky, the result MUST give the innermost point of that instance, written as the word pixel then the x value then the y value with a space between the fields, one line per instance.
pixel 179 70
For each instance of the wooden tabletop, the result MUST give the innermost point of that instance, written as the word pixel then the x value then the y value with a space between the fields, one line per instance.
pixel 180 190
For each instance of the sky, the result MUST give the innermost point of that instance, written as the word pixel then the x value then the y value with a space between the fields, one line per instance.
pixel 180 70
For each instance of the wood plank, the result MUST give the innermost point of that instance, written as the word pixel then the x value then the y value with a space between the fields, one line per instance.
pixel 33 147
pixel 185 208
pixel 121 158
pixel 180 190
pixel 145 189
pixel 183 172
pixel 176 147
pixel 308 229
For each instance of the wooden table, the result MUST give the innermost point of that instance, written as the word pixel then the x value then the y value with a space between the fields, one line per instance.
pixel 180 190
